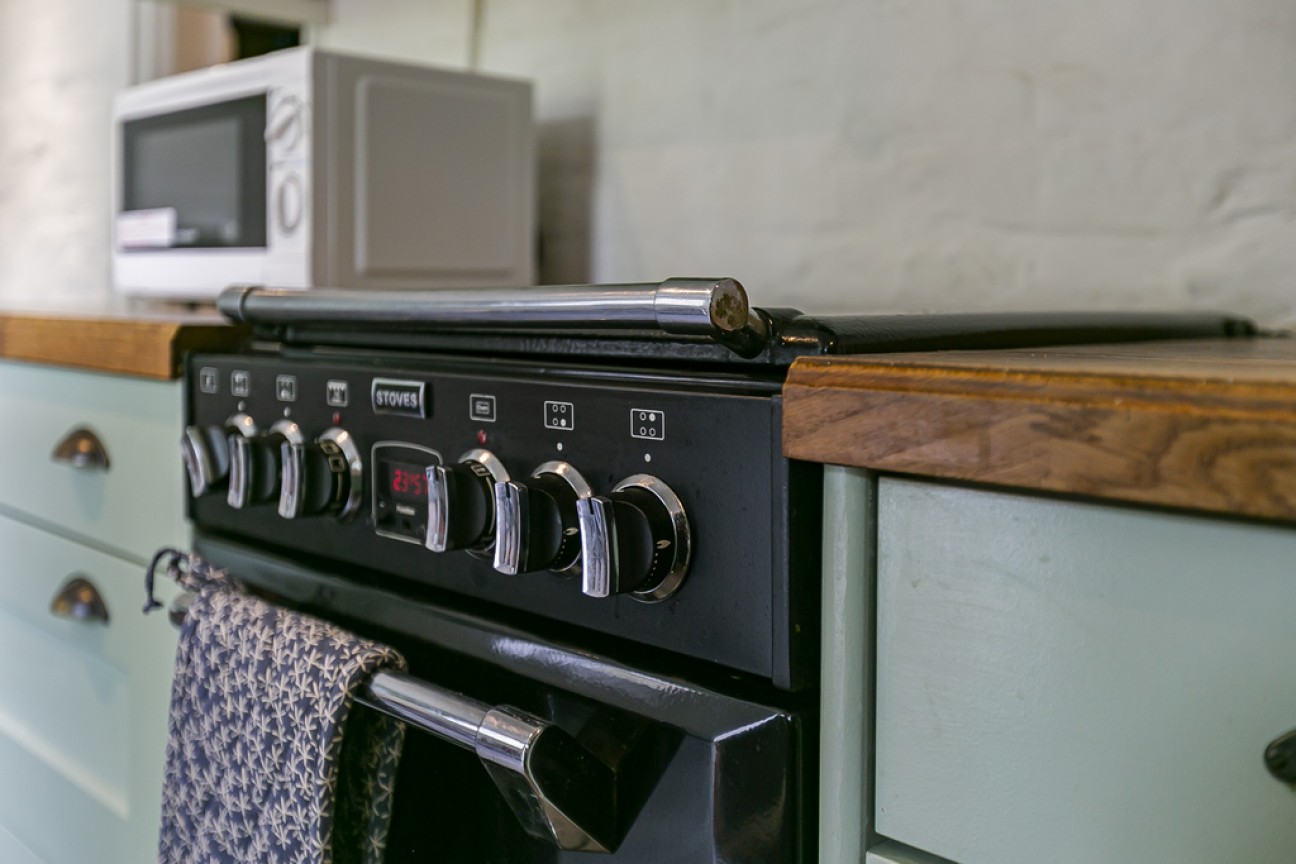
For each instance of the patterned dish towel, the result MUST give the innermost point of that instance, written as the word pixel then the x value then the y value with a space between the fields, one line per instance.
pixel 257 766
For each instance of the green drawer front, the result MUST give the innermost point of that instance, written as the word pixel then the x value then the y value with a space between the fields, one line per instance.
pixel 83 706
pixel 133 507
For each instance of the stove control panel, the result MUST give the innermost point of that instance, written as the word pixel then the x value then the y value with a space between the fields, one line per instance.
pixel 654 509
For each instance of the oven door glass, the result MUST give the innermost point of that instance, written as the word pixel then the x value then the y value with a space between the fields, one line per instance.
pixel 195 178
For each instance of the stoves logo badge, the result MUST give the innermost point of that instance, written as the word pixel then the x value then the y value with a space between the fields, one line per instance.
pixel 392 396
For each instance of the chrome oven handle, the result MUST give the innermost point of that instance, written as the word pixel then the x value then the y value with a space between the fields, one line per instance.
pixel 558 790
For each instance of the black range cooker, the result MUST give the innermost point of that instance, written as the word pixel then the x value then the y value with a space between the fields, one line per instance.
pixel 570 509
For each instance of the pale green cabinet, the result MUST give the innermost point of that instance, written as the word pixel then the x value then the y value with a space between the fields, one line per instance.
pixel 83 703
pixel 1051 680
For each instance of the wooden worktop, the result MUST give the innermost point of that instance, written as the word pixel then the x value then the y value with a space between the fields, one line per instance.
pixel 124 338
pixel 1206 425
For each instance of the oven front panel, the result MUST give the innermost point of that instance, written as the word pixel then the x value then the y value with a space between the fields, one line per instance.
pixel 717 451
pixel 703 777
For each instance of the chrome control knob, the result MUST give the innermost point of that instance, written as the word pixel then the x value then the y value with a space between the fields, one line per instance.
pixel 205 452
pixel 634 541
pixel 461 502
pixel 320 478
pixel 536 523
pixel 254 470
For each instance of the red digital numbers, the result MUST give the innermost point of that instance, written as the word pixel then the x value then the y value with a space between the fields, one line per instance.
pixel 407 483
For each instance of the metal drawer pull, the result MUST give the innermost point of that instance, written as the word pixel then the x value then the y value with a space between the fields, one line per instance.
pixel 1280 757
pixel 79 600
pixel 558 790
pixel 81 448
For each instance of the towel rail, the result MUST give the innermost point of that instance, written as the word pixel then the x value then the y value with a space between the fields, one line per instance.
pixel 558 790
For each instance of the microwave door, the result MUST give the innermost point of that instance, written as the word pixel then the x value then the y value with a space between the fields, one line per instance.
pixel 195 178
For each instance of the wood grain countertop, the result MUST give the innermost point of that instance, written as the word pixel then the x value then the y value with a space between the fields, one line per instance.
pixel 112 336
pixel 1204 425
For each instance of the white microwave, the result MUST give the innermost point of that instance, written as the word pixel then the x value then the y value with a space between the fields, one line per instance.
pixel 306 168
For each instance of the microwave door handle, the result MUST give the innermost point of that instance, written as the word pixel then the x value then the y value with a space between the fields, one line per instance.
pixel 558 790
pixel 714 308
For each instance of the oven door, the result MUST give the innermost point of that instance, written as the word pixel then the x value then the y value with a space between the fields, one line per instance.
pixel 684 773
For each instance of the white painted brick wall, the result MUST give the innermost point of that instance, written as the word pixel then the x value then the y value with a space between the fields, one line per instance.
pixel 60 63
pixel 895 155
pixel 892 155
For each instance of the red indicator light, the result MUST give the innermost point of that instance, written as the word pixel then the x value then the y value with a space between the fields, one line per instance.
pixel 337 418
pixel 481 437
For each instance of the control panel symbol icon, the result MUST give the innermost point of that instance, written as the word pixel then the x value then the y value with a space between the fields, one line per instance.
pixel 560 416
pixel 481 407
pixel 286 388
pixel 338 393
pixel 648 423
pixel 208 380
pixel 240 382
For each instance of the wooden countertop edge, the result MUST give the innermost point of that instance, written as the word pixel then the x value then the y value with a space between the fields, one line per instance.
pixel 143 347
pixel 1223 445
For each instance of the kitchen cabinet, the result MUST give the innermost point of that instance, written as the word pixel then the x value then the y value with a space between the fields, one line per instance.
pixel 1025 660
pixel 83 702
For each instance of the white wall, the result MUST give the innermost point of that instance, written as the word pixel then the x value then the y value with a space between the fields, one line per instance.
pixel 833 154
pixel 922 155
pixel 60 63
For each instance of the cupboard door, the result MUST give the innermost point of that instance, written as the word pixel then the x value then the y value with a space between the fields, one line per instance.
pixel 83 706
pixel 1074 683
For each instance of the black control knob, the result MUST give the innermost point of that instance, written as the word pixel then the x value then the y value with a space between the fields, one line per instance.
pixel 205 451
pixel 634 541
pixel 461 502
pixel 320 478
pixel 254 463
pixel 537 524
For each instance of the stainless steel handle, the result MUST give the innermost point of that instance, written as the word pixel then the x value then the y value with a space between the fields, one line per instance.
pixel 599 570
pixel 78 600
pixel 557 789
pixel 240 430
pixel 715 308
pixel 292 456
pixel 438 504
pixel 240 471
pixel 292 467
pixel 81 448
pixel 511 508
pixel 195 450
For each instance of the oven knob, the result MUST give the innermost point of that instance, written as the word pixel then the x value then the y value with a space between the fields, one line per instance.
pixel 206 452
pixel 254 464
pixel 320 478
pixel 461 502
pixel 634 541
pixel 536 522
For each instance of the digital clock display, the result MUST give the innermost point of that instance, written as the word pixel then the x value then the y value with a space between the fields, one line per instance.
pixel 407 481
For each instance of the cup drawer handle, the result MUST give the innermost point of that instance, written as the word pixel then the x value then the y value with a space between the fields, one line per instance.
pixel 1280 757
pixel 81 448
pixel 79 600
